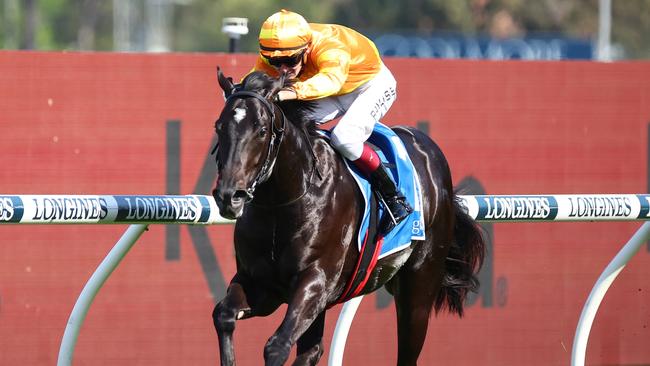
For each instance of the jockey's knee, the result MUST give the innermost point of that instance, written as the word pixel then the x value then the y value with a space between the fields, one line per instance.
pixel 349 148
pixel 349 135
pixel 350 151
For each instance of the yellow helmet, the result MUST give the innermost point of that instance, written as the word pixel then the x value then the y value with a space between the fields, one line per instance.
pixel 283 34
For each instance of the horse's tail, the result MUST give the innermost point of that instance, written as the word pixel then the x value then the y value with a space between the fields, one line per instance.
pixel 463 263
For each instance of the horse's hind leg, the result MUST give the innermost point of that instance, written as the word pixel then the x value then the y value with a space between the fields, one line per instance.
pixel 310 344
pixel 415 288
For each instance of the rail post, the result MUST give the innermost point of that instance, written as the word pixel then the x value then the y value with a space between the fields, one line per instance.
pixel 600 288
pixel 92 287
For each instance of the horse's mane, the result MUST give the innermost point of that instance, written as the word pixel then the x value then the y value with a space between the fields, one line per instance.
pixel 296 111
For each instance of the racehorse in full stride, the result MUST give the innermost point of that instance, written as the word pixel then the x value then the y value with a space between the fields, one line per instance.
pixel 298 209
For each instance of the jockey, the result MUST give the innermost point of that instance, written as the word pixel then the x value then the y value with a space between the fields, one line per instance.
pixel 341 71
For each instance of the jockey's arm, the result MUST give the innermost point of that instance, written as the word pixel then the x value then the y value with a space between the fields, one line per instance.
pixel 333 65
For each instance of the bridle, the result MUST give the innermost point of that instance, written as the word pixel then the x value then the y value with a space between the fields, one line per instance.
pixel 277 133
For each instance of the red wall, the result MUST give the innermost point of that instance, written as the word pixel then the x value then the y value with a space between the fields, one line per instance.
pixel 87 123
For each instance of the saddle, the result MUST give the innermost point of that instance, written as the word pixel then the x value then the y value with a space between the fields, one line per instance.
pixel 371 244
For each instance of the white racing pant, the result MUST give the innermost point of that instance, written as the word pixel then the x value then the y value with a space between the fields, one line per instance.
pixel 360 109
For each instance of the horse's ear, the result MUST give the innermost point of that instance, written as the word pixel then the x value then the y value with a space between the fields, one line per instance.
pixel 283 80
pixel 278 84
pixel 225 83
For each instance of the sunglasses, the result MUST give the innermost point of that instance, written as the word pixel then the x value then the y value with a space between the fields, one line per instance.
pixel 289 61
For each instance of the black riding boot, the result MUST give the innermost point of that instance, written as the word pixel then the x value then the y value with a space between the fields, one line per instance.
pixel 394 201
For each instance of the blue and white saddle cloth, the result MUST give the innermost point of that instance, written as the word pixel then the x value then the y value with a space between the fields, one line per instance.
pixel 393 154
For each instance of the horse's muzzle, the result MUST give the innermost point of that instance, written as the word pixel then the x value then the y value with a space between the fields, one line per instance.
pixel 230 202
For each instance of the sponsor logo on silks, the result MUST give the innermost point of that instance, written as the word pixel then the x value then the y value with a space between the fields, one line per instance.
pixel 69 208
pixel 157 208
pixel 516 208
pixel 11 209
pixel 600 206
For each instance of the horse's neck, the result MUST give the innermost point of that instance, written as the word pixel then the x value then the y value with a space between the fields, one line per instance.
pixel 294 168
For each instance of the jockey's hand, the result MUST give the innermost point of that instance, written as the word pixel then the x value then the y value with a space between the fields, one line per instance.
pixel 286 94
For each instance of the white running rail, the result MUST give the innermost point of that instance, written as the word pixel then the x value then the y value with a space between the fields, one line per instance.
pixel 531 208
pixel 140 211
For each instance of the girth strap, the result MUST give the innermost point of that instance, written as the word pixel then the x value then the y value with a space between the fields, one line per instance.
pixel 367 261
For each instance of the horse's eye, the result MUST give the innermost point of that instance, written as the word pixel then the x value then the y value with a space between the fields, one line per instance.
pixel 262 132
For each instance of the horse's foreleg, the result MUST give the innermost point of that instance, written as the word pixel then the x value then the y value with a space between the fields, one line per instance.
pixel 306 304
pixel 226 312
pixel 243 300
pixel 310 344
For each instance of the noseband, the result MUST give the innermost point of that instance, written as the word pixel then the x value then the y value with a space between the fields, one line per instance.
pixel 277 133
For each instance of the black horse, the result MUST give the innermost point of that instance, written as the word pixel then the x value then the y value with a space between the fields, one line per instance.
pixel 297 210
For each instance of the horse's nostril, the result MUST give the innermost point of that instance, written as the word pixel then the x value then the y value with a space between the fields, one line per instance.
pixel 217 195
